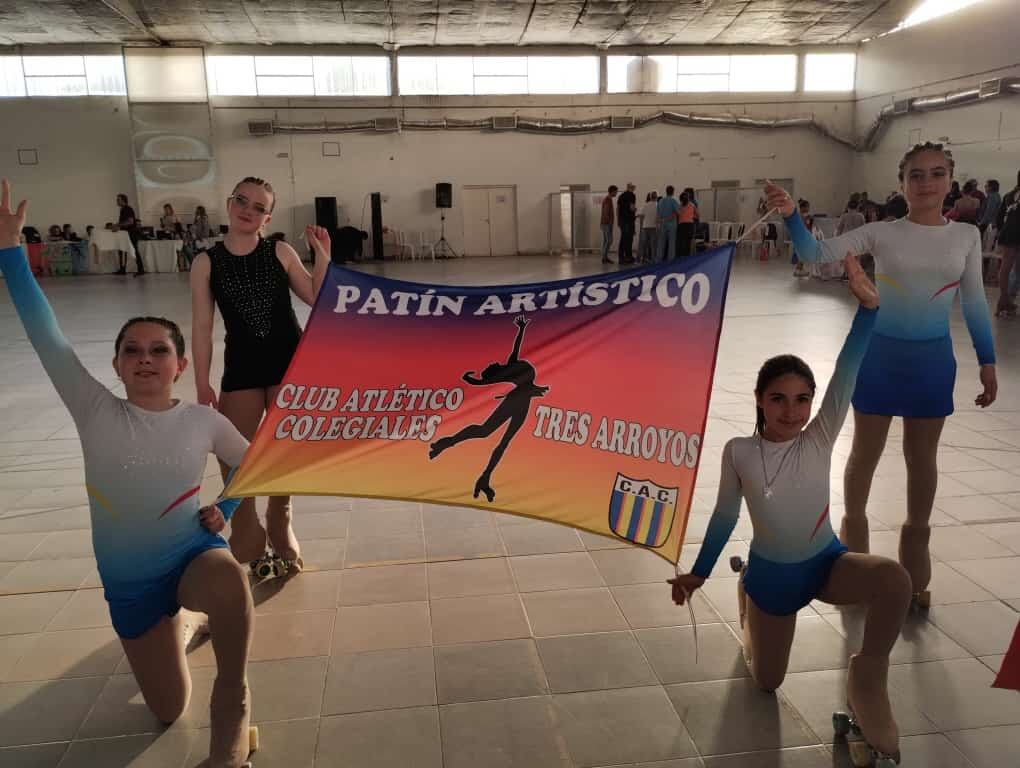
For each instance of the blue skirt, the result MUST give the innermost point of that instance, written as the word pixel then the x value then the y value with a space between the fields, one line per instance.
pixel 914 379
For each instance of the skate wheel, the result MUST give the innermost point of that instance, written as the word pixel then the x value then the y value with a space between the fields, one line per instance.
pixel 923 599
pixel 736 563
pixel 253 738
pixel 861 754
pixel 840 723
pixel 886 761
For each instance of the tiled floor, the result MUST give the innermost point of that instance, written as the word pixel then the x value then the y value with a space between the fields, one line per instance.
pixel 426 636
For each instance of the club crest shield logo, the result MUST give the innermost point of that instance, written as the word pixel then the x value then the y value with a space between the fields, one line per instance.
pixel 641 511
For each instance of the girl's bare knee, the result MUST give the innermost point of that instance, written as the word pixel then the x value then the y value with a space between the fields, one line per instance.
pixel 893 582
pixel 168 705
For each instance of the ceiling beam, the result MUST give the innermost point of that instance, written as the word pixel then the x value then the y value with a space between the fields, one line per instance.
pixel 126 10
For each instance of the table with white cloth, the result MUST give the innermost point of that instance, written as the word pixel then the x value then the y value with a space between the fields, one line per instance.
pixel 106 244
pixel 160 255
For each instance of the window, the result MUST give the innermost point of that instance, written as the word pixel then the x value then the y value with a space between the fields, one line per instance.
pixel 55 75
pixel 491 75
pixel 298 75
pixel 702 74
pixel 69 75
pixel 763 73
pixel 624 74
pixel 105 75
pixel 829 71
pixel 12 77
pixel 231 75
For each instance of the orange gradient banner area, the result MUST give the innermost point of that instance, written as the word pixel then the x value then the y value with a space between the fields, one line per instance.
pixel 579 401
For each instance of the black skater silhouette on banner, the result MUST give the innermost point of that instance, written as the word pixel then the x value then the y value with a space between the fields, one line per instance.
pixel 514 408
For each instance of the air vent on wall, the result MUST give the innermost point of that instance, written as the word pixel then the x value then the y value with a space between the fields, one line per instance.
pixel 504 122
pixel 621 121
pixel 901 106
pixel 990 88
pixel 260 127
pixel 386 124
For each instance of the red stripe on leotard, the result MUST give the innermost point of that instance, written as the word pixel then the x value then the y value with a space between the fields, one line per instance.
pixel 943 289
pixel 183 497
pixel 825 514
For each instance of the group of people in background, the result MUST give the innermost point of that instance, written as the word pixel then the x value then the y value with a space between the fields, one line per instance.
pixel 195 236
pixel 667 225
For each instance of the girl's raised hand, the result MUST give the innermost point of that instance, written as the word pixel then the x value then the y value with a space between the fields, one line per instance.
pixel 11 222
pixel 318 239
pixel 779 199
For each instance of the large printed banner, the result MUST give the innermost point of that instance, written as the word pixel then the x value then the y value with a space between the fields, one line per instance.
pixel 579 401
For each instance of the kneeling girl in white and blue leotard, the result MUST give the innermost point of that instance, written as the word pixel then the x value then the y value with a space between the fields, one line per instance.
pixel 156 549
pixel 782 472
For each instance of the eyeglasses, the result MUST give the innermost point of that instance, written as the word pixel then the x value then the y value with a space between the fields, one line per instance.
pixel 245 203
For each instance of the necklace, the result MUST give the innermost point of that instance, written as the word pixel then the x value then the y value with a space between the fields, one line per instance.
pixel 764 472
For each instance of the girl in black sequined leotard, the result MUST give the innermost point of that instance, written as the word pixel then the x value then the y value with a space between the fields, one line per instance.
pixel 250 280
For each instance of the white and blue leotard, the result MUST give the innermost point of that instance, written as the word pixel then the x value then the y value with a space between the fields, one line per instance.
pixel 793 547
pixel 910 369
pixel 143 469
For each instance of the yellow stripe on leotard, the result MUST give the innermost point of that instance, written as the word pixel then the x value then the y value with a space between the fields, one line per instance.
pixel 881 277
pixel 101 500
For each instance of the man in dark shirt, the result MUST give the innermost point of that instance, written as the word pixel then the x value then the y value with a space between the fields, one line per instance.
pixel 626 211
pixel 606 223
pixel 128 222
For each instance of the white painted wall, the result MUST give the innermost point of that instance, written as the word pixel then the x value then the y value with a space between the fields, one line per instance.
pixel 85 153
pixel 954 51
pixel 406 166
pixel 84 148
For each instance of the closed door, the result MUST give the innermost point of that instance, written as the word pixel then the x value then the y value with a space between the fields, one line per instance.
pixel 490 221
pixel 502 221
pixel 476 221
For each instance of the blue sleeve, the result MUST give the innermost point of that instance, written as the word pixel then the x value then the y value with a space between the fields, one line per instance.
pixel 810 250
pixel 70 378
pixel 974 304
pixel 836 403
pixel 229 506
pixel 724 517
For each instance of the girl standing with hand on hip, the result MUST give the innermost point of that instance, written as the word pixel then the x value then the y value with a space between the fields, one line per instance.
pixel 922 262
pixel 250 279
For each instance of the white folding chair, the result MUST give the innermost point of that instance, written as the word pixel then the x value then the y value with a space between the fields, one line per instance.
pixel 426 245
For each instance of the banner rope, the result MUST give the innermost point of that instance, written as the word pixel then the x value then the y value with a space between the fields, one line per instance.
pixel 755 226
pixel 690 607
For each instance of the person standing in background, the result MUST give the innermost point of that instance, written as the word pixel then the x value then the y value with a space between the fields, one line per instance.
pixel 128 222
pixel 666 215
pixel 648 216
pixel 169 222
pixel 685 227
pixel 1008 222
pixel 850 220
pixel 606 222
pixel 992 202
pixel 626 209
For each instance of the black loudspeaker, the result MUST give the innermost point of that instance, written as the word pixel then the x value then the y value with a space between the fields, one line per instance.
pixel 444 195
pixel 377 240
pixel 326 213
